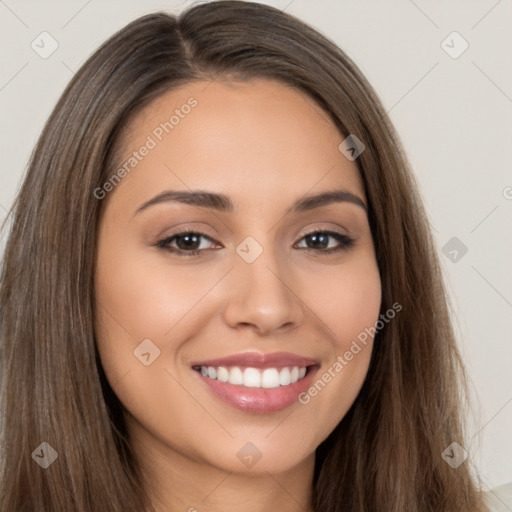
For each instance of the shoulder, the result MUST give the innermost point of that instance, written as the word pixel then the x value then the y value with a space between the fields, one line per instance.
pixel 499 499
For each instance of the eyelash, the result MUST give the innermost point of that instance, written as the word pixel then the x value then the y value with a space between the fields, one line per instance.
pixel 345 241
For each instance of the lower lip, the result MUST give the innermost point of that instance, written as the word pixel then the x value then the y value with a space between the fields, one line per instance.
pixel 259 400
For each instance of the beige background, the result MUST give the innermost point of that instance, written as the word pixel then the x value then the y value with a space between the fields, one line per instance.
pixel 453 114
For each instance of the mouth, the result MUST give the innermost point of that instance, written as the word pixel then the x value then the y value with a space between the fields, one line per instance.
pixel 259 383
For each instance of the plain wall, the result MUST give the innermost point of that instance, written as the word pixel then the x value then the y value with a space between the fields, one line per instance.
pixel 453 115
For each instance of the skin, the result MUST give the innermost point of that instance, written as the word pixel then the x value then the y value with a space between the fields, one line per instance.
pixel 265 145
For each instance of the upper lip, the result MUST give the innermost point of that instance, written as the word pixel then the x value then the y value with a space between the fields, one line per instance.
pixel 259 360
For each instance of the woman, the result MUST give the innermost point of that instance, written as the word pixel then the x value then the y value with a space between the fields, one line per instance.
pixel 220 289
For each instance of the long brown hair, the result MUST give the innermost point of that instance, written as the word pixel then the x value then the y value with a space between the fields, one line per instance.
pixel 385 454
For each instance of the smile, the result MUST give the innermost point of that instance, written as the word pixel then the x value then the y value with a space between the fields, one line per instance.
pixel 257 383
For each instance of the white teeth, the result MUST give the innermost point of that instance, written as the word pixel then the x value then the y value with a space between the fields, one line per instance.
pixel 254 377
pixel 222 374
pixel 236 376
pixel 270 378
pixel 284 377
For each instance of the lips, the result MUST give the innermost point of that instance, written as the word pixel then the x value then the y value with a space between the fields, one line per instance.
pixel 258 360
pixel 255 382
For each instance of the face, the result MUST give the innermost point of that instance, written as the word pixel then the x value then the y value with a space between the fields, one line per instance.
pixel 229 288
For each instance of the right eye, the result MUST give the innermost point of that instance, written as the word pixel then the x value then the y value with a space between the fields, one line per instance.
pixel 187 243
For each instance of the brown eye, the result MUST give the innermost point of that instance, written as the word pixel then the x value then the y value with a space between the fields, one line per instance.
pixel 320 241
pixel 186 243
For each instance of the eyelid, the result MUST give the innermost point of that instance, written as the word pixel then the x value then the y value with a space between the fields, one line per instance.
pixel 324 229
pixel 183 229
pixel 186 231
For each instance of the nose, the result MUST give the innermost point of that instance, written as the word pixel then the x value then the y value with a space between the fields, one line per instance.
pixel 264 296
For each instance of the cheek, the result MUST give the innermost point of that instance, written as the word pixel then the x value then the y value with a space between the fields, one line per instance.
pixel 349 305
pixel 348 300
pixel 140 297
pixel 146 296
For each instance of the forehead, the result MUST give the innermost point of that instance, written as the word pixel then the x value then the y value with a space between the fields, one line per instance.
pixel 257 139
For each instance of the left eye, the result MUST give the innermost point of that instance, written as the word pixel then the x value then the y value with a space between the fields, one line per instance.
pixel 320 241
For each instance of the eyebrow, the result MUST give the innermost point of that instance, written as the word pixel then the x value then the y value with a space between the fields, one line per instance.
pixel 223 203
